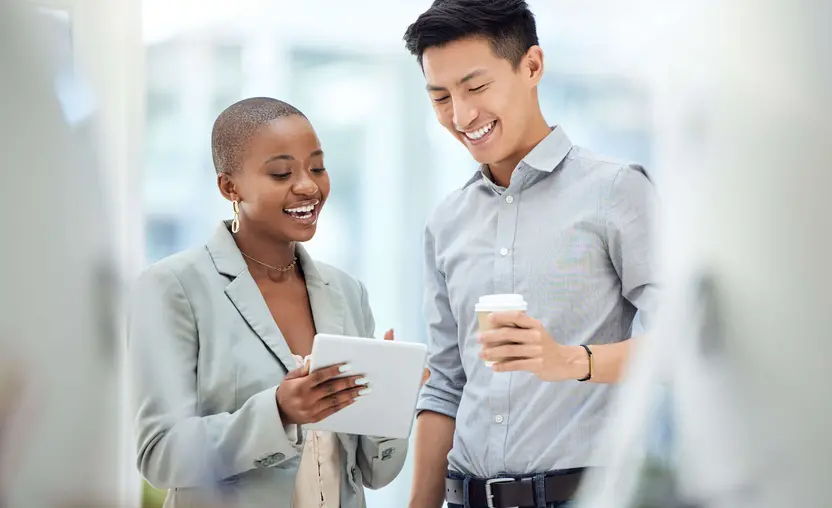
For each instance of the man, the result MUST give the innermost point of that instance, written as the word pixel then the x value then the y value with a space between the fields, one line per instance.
pixel 565 228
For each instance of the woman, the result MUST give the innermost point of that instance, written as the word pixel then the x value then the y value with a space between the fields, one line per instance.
pixel 217 335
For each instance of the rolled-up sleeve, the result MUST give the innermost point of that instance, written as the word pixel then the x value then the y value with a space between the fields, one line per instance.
pixel 178 447
pixel 443 390
pixel 632 217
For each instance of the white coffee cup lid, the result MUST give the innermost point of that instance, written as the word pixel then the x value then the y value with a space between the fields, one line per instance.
pixel 494 303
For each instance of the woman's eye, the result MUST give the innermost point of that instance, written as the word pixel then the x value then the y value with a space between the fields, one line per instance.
pixel 318 170
pixel 281 176
pixel 479 88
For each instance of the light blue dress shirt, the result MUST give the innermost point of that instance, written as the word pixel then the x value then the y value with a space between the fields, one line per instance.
pixel 574 234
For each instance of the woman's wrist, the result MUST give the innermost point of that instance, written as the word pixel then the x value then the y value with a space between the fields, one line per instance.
pixel 284 418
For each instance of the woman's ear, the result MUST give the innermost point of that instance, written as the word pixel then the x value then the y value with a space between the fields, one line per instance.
pixel 227 188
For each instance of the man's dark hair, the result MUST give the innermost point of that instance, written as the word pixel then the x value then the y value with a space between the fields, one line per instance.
pixel 508 24
pixel 236 125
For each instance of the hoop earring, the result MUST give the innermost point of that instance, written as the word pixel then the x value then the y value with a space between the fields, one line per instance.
pixel 235 224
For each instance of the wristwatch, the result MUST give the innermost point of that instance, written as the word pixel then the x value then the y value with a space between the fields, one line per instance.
pixel 589 353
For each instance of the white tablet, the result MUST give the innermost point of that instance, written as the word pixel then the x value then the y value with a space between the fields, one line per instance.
pixel 394 371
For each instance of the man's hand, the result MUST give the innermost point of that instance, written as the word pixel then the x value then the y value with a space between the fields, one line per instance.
pixel 519 342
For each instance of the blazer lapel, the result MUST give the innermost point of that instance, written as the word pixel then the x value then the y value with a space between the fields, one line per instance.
pixel 329 314
pixel 246 296
pixel 326 300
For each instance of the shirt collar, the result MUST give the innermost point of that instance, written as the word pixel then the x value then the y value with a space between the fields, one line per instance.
pixel 546 156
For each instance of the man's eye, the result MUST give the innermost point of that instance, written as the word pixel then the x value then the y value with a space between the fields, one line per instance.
pixel 440 100
pixel 318 170
pixel 479 88
pixel 281 176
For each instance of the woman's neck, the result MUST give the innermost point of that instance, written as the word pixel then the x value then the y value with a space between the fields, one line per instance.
pixel 267 255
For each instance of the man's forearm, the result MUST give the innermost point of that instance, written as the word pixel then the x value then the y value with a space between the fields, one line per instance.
pixel 609 361
pixel 433 441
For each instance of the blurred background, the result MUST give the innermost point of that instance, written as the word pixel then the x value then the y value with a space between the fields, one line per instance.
pixel 726 104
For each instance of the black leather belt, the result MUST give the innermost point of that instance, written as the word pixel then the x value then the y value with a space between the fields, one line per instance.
pixel 514 492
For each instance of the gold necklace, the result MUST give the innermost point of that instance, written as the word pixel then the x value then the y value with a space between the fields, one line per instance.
pixel 279 269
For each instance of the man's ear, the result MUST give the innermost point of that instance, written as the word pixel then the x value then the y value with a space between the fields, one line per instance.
pixel 533 65
pixel 227 187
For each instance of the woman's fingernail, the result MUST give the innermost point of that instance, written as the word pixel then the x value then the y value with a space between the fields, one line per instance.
pixel 344 368
pixel 365 391
pixel 362 381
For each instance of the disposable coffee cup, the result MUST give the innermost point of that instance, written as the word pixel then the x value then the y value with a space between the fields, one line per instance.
pixel 497 303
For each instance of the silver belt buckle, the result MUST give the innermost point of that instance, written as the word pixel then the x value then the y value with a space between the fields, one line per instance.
pixel 489 494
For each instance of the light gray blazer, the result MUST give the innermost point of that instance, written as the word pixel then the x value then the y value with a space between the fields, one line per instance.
pixel 206 357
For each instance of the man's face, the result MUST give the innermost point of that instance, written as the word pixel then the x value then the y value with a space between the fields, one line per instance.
pixel 480 98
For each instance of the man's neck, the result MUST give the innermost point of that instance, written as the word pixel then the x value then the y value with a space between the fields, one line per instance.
pixel 501 171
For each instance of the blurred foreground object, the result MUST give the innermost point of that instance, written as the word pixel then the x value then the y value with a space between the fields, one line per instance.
pixel 60 395
pixel 728 405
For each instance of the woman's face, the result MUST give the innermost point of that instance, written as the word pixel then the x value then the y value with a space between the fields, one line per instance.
pixel 282 184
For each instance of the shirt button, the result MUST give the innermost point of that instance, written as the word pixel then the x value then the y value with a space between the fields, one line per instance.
pixel 509 199
pixel 498 418
pixel 503 251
